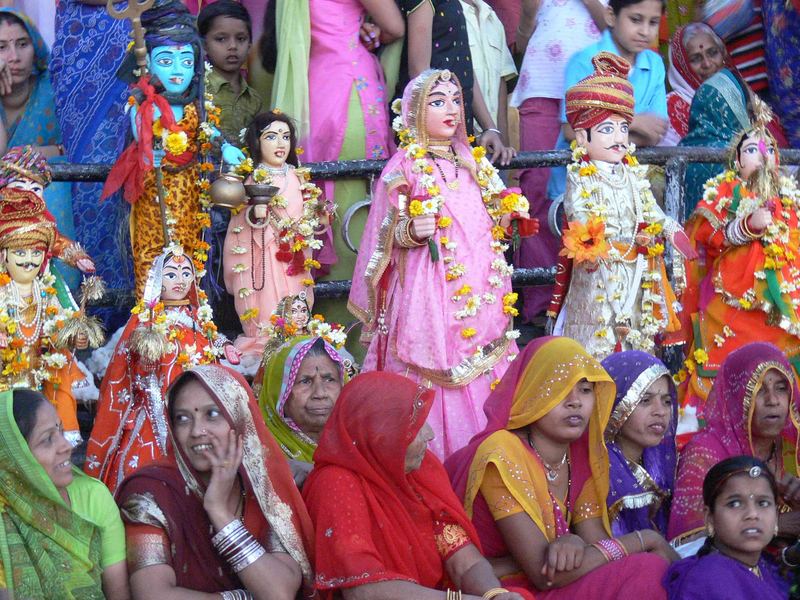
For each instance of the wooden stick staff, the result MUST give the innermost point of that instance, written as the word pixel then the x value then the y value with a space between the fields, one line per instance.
pixel 133 10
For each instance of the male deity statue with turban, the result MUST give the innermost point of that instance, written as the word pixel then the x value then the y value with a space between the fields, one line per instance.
pixel 35 304
pixel 612 277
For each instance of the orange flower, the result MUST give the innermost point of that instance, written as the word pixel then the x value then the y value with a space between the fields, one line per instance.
pixel 586 242
pixel 4 279
pixel 50 311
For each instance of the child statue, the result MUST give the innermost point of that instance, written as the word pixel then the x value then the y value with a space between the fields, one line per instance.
pixel 171 330
pixel 160 171
pixel 746 284
pixel 35 303
pixel 268 249
pixel 431 284
pixel 619 296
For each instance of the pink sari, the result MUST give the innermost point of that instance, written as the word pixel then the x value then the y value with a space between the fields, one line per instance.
pixel 405 300
pixel 338 62
pixel 728 413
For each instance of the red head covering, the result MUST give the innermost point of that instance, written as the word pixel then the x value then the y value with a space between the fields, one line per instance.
pixel 374 521
pixel 605 92
pixel 25 221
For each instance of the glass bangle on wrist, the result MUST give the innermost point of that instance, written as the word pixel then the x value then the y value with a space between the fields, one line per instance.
pixel 785 561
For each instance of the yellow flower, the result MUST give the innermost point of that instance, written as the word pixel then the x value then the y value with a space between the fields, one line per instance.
pixel 176 142
pixel 680 376
pixel 494 384
pixel 415 208
pixel 445 222
pixel 158 129
pixel 307 282
pixel 468 332
pixel 700 356
pixel 478 152
pixel 250 313
pixel 510 298
pixel 745 303
pixel 310 263
pixel 655 250
pixel 589 169
pixel 464 290
pixel 654 228
pixel 498 233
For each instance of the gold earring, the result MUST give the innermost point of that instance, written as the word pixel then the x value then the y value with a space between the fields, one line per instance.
pixel 710 530
pixel 776 530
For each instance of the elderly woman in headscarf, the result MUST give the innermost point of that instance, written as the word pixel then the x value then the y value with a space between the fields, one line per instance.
pixel 695 54
pixel 388 524
pixel 302 381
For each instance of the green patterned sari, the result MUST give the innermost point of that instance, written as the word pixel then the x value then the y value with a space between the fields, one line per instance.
pixel 718 114
pixel 47 551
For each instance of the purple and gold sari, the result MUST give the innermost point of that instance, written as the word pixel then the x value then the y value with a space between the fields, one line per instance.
pixel 639 495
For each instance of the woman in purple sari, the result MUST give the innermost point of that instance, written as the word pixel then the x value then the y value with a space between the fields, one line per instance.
pixel 640 437
pixel 740 496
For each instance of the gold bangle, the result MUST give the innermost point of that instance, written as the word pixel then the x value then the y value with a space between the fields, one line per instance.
pixel 494 592
pixel 746 230
pixel 641 539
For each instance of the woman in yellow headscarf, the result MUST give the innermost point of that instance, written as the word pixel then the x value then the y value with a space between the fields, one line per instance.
pixel 535 482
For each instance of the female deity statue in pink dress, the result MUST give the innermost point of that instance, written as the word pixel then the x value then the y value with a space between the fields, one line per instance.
pixel 431 284
pixel 268 249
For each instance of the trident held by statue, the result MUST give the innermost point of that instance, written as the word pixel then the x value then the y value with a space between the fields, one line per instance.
pixel 133 10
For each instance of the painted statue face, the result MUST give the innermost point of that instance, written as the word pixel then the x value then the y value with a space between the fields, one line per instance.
pixel 27 185
pixel 23 264
pixel 275 143
pixel 705 57
pixel 754 153
pixel 298 313
pixel 173 66
pixel 443 113
pixel 609 139
pixel 177 278
pixel 16 49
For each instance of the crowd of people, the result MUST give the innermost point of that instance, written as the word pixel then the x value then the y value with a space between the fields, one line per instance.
pixel 249 440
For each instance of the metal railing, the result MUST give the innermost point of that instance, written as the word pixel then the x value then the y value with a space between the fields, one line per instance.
pixel 674 160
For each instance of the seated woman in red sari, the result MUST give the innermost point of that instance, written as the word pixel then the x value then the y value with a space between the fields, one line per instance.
pixel 535 482
pixel 221 515
pixel 752 410
pixel 388 524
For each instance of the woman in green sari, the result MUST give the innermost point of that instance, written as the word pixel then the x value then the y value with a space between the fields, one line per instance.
pixel 721 109
pixel 302 380
pixel 61 536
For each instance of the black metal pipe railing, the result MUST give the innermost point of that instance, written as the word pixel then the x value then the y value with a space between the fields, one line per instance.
pixel 675 160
